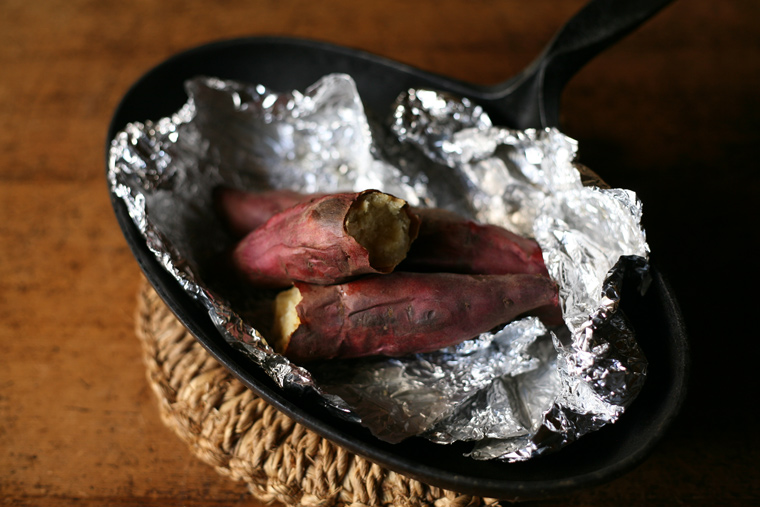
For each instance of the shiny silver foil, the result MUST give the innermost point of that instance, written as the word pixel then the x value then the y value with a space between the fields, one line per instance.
pixel 516 393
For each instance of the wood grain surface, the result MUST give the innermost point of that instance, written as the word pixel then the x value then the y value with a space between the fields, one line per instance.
pixel 672 112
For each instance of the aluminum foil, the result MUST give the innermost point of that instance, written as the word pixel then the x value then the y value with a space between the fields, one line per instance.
pixel 516 393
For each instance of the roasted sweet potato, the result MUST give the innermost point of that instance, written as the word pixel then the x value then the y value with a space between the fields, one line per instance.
pixel 243 211
pixel 450 243
pixel 402 313
pixel 446 242
pixel 329 239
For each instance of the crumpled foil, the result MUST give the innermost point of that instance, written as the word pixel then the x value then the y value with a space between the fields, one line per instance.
pixel 516 393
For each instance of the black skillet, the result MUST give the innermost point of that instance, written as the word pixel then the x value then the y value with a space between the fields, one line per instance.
pixel 531 99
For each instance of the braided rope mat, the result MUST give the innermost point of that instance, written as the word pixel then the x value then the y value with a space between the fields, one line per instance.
pixel 227 426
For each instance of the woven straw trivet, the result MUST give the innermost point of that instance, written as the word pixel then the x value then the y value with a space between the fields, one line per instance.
pixel 229 427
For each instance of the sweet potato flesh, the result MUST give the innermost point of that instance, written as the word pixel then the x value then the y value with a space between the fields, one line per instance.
pixel 286 318
pixel 379 223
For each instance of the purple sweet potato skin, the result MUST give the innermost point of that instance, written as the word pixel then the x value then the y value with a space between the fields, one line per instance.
pixel 243 211
pixel 307 242
pixel 446 241
pixel 449 243
pixel 405 313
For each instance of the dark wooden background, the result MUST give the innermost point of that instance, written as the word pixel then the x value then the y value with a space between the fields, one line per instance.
pixel 671 112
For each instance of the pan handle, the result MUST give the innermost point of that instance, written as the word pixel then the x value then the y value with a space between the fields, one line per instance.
pixel 598 25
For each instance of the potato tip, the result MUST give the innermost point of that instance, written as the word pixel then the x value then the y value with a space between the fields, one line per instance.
pixel 286 319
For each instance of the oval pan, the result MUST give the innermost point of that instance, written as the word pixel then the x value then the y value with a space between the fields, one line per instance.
pixel 526 101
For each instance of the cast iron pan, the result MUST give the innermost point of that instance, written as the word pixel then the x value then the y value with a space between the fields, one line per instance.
pixel 530 99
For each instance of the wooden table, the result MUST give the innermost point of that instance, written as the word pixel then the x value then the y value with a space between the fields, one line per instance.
pixel 671 112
